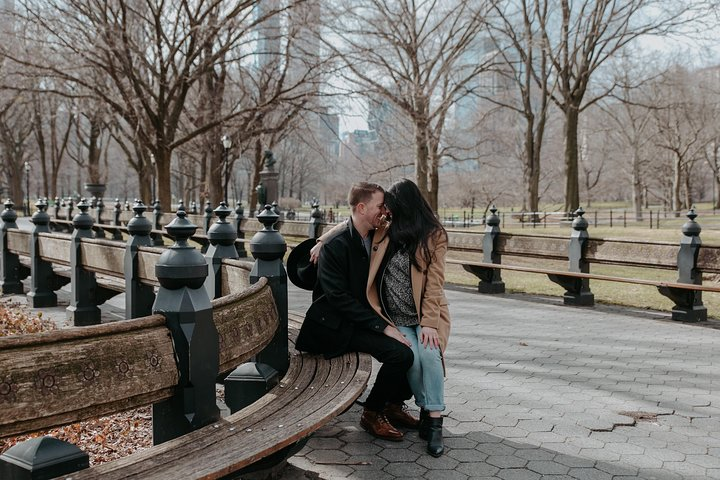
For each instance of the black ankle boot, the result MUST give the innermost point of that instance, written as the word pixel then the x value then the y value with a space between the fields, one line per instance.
pixel 424 427
pixel 435 437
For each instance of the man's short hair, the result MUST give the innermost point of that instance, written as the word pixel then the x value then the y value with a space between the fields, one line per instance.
pixel 362 193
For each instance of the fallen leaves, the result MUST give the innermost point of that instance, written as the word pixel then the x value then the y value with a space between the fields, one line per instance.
pixel 16 320
pixel 105 438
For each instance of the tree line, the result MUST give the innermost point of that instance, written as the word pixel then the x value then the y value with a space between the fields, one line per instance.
pixel 96 90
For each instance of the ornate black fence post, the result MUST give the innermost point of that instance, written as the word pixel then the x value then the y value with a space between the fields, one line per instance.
pixel 117 211
pixel 42 279
pixel 193 207
pixel 139 297
pixel 240 246
pixel 10 265
pixel 221 236
pixel 83 309
pixel 490 278
pixel 57 207
pixel 252 380
pixel 688 303
pixel 316 221
pixel 577 289
pixel 268 247
pixel 157 238
pixel 182 299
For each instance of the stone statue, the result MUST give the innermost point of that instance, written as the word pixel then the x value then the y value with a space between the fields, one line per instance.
pixel 269 159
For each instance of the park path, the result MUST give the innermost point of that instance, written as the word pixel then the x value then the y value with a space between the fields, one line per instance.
pixel 538 390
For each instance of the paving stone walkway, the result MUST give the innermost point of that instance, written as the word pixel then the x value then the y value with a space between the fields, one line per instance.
pixel 537 390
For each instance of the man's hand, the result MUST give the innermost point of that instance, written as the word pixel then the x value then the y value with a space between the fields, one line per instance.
pixel 393 332
pixel 315 252
pixel 429 336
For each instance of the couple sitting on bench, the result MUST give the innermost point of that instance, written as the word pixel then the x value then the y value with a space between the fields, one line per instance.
pixel 378 289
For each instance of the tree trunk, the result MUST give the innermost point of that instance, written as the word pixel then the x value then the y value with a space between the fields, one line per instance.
pixel 422 149
pixel 531 170
pixel 434 183
pixel 572 193
pixel 676 185
pixel 163 156
pixel 637 186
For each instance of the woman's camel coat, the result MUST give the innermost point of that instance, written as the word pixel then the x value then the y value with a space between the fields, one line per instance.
pixel 427 282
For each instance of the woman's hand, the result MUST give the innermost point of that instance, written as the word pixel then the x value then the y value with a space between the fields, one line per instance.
pixel 429 337
pixel 315 252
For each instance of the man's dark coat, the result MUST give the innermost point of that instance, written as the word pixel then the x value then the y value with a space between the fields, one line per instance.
pixel 340 300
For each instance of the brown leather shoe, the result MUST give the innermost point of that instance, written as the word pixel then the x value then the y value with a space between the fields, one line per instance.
pixel 399 416
pixel 378 426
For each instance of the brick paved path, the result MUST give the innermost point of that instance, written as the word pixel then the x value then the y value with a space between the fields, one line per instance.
pixel 539 390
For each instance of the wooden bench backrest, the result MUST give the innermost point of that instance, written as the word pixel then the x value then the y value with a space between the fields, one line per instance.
pixel 634 253
pixel 73 374
pixel 18 241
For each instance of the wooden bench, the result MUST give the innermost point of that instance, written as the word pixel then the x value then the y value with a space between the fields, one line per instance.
pixel 595 251
pixel 313 391
pixel 75 374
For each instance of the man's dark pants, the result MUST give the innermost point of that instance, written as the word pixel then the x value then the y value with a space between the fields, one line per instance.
pixel 391 382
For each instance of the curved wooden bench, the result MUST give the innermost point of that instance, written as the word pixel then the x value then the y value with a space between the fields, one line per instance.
pixel 96 370
pixel 313 391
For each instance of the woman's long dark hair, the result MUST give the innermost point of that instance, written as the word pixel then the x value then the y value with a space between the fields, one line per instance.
pixel 413 221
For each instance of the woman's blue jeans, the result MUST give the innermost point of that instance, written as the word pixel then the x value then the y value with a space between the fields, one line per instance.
pixel 426 376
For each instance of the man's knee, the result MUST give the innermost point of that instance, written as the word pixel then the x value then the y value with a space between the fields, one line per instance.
pixel 405 357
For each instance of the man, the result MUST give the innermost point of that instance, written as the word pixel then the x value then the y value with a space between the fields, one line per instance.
pixel 341 320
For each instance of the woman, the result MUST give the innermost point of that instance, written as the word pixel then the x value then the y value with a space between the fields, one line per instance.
pixel 405 286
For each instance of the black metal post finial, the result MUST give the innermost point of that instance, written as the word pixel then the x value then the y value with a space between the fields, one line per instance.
pixel 493 220
pixel 691 228
pixel 9 215
pixel 579 223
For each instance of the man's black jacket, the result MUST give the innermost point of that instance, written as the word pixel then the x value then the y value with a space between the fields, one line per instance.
pixel 340 304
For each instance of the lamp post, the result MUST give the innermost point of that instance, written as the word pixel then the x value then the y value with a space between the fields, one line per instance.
pixel 227 143
pixel 27 188
pixel 152 187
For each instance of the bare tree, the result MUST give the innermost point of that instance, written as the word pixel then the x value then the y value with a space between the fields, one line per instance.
pixel 517 35
pixel 142 59
pixel 16 127
pixel 582 36
pixel 630 110
pixel 416 55
pixel 684 125
pixel 53 124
